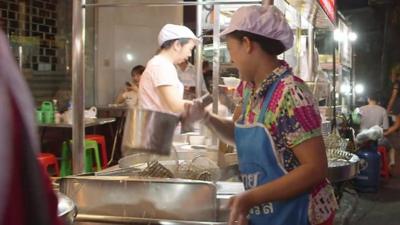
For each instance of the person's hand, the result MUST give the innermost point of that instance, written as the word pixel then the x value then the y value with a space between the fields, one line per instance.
pixel 131 88
pixel 389 110
pixel 388 132
pixel 194 111
pixel 239 209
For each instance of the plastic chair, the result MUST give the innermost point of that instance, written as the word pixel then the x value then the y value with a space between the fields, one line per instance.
pixel 101 140
pixel 384 162
pixel 47 160
pixel 90 149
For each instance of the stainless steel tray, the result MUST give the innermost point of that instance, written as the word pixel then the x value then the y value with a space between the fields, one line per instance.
pixel 135 220
pixel 167 199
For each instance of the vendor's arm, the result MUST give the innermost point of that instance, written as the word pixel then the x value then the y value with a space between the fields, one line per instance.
pixel 169 95
pixel 224 128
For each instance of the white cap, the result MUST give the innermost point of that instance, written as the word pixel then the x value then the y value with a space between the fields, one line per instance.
pixel 172 31
pixel 267 21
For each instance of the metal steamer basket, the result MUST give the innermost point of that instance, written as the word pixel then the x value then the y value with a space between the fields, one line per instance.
pixel 342 165
pixel 183 165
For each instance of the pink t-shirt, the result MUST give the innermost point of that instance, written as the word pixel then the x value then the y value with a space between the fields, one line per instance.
pixel 159 72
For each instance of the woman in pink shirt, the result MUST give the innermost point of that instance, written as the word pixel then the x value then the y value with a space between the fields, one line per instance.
pixel 160 88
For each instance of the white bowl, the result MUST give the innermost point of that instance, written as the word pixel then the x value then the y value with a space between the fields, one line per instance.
pixel 197 140
pixel 231 82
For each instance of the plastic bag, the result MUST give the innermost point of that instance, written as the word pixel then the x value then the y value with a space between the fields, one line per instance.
pixel 372 134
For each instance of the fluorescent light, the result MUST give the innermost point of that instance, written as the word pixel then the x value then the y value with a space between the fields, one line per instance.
pixel 338 35
pixel 359 88
pixel 129 57
pixel 352 36
pixel 345 89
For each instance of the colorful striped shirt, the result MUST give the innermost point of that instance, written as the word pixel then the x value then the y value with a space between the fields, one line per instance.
pixel 292 117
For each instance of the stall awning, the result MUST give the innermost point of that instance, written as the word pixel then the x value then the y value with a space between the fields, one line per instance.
pixel 320 13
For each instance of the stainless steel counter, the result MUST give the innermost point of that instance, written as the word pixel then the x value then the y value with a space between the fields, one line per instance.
pixel 112 110
pixel 127 200
pixel 134 200
pixel 83 219
pixel 169 199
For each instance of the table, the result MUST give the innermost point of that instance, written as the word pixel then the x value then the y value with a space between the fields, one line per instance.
pixel 88 123
pixel 118 111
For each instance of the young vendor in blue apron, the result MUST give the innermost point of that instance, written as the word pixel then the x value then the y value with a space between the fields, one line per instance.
pixel 281 152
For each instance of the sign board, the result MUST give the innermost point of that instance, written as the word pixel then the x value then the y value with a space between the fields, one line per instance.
pixel 345 47
pixel 329 8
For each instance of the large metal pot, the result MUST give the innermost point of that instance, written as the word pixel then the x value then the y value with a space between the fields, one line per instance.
pixel 148 131
pixel 66 209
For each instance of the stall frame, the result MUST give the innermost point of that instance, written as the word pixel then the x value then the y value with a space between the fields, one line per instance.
pixel 312 10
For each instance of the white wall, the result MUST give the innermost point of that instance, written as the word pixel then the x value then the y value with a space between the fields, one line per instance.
pixel 122 31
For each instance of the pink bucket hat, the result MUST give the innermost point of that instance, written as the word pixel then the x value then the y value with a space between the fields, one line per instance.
pixel 267 21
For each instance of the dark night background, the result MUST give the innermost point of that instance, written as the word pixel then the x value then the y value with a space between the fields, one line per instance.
pixel 377 49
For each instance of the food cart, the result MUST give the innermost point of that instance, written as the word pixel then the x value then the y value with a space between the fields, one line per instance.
pixel 156 199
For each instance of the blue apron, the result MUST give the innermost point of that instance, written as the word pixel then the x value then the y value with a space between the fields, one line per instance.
pixel 259 165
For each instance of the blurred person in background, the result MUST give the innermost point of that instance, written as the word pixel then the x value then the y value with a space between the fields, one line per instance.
pixel 187 75
pixel 63 95
pixel 207 75
pixel 130 94
pixel 394 102
pixel 25 190
pixel 392 133
pixel 373 114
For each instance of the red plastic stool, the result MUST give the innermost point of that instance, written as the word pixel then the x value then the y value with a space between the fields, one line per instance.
pixel 384 162
pixel 48 159
pixel 101 140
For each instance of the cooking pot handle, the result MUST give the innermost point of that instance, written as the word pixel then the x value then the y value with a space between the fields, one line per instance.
pixel 206 100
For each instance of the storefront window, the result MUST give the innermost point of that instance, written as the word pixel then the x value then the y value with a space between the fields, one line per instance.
pixel 39 32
